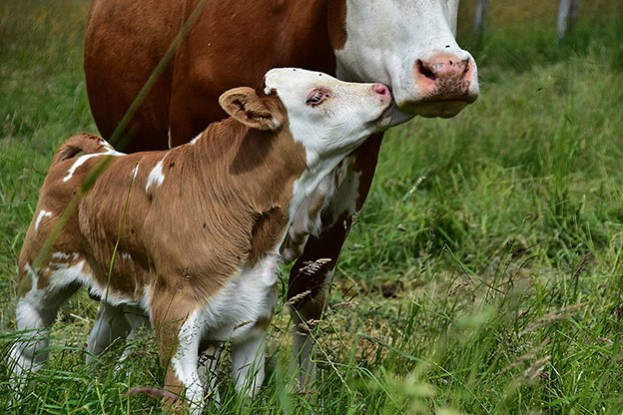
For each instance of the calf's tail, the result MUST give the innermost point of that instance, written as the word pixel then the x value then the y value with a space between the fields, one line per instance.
pixel 82 143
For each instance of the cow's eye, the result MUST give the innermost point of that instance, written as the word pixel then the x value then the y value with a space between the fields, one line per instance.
pixel 316 96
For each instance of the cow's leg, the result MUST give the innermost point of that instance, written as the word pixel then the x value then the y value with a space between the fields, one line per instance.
pixel 36 311
pixel 312 273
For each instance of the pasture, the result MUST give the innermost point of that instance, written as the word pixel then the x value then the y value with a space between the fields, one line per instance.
pixel 485 274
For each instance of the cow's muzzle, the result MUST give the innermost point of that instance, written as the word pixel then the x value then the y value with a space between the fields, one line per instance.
pixel 445 85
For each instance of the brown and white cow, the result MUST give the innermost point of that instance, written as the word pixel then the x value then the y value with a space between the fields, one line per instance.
pixel 408 45
pixel 190 237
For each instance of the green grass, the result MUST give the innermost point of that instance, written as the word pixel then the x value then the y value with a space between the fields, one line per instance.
pixel 484 276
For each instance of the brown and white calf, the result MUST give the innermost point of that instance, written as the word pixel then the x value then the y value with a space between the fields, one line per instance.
pixel 190 237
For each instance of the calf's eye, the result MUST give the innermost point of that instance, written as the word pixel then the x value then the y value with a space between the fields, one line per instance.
pixel 316 96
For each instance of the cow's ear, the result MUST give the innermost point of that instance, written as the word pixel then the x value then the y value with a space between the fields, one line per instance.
pixel 244 105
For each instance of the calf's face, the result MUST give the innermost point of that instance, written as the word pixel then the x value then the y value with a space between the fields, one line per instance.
pixel 328 116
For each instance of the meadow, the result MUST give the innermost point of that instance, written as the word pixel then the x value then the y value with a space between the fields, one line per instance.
pixel 485 275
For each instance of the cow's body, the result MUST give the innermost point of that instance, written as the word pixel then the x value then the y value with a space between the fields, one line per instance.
pixel 407 45
pixel 190 237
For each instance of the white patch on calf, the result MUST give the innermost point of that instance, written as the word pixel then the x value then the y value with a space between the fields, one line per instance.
pixel 345 198
pixel 107 146
pixel 34 313
pixel 83 159
pixel 135 171
pixel 63 276
pixel 42 214
pixel 145 301
pixel 194 140
pixel 156 177
pixel 306 221
pixel 63 258
pixel 61 255
pixel 106 294
pixel 246 297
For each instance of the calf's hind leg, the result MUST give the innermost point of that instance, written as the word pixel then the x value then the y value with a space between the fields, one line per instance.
pixel 35 312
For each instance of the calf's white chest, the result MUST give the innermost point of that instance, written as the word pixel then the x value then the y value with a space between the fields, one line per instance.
pixel 232 314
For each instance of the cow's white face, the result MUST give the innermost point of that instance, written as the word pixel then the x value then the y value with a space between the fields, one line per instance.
pixel 410 46
pixel 328 116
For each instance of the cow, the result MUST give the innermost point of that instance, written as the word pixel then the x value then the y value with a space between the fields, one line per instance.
pixel 189 238
pixel 408 45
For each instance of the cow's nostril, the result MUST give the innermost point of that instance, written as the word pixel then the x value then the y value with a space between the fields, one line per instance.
pixel 424 70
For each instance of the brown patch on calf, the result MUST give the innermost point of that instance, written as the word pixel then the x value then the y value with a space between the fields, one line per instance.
pixel 265 233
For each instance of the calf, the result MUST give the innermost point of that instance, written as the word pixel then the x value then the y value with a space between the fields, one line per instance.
pixel 189 238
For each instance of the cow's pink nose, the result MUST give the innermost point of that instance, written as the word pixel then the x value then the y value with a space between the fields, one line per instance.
pixel 443 69
pixel 381 90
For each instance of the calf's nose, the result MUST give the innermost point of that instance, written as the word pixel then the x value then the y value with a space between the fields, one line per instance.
pixel 381 90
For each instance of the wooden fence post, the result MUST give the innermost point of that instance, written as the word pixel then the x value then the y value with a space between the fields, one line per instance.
pixel 480 15
pixel 567 15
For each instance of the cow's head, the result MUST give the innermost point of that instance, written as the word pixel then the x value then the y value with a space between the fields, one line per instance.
pixel 410 46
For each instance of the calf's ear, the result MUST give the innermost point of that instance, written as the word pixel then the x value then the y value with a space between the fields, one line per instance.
pixel 244 105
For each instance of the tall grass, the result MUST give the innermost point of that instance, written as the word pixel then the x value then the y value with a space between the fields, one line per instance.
pixel 484 276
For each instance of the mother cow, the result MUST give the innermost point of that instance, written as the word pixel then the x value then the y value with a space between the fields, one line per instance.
pixel 407 44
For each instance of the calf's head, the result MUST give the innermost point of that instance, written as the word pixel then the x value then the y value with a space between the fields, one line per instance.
pixel 410 46
pixel 327 116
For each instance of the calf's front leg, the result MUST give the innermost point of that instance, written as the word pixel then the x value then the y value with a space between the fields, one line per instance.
pixel 110 325
pixel 248 365
pixel 179 337
pixel 208 366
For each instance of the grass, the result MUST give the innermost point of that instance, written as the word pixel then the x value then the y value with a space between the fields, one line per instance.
pixel 485 275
